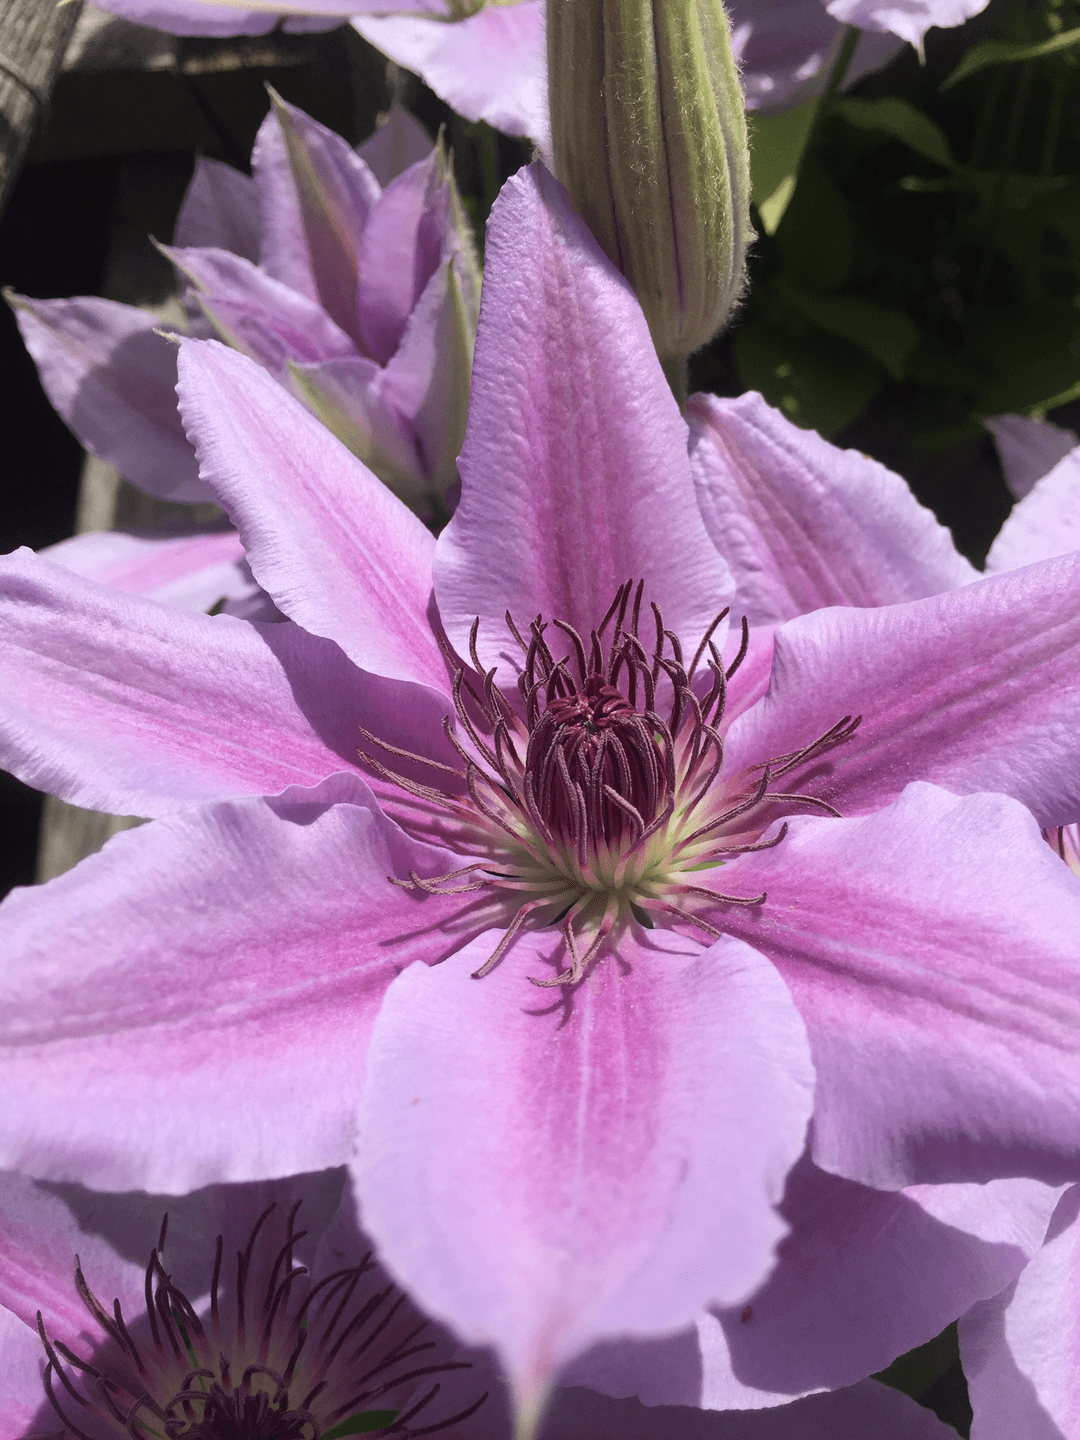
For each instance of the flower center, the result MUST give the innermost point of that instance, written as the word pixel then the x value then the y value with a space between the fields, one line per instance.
pixel 276 1358
pixel 594 768
pixel 596 797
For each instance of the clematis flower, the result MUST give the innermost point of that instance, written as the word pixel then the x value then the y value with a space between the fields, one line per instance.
pixel 273 1287
pixel 359 298
pixel 289 952
pixel 1019 1348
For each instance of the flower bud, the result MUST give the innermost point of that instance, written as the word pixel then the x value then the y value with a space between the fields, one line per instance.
pixel 649 137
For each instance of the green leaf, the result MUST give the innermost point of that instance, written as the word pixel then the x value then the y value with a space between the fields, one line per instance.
pixel 901 121
pixel 819 382
pixel 888 334
pixel 776 147
pixel 1008 52
pixel 815 236
pixel 362 1424
pixel 1031 356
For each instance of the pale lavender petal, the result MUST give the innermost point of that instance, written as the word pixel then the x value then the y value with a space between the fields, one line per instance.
pixel 122 704
pixel 427 382
pixel 1028 449
pixel 910 19
pixel 39 1239
pixel 240 1016
pixel 865 1275
pixel 931 950
pixel 315 194
pixel 491 66
pixel 541 1169
pixel 1021 1350
pixel 22 1362
pixel 400 141
pixel 575 475
pixel 336 551
pixel 1045 523
pixel 351 399
pixel 113 380
pixel 399 253
pixel 194 17
pixel 259 315
pixel 975 690
pixel 193 572
pixel 804 524
pixel 867 1411
pixel 787 48
pixel 221 210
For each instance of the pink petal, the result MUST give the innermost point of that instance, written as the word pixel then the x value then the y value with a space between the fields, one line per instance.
pixel 1028 449
pixel 867 1411
pixel 215 975
pixel 931 950
pixel 575 476
pixel 974 690
pixel 315 194
pixel 349 397
pixel 193 572
pixel 491 66
pixel 39 1239
pixel 803 524
pixel 338 553
pixel 399 253
pixel 22 1361
pixel 220 210
pixel 113 381
pixel 122 704
pixel 427 380
pixel 787 51
pixel 863 1276
pixel 1045 523
pixel 259 315
pixel 193 17
pixel 400 141
pixel 910 19
pixel 1021 1350
pixel 543 1169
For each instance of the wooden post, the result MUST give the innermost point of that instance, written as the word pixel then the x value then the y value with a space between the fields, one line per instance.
pixel 33 37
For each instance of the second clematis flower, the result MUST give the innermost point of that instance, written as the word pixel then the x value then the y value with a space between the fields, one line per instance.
pixel 349 275
pixel 611 901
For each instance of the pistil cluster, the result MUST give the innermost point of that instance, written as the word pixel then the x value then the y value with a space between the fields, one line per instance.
pixel 276 1357
pixel 595 797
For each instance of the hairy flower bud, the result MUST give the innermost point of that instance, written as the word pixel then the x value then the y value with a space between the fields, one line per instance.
pixel 648 134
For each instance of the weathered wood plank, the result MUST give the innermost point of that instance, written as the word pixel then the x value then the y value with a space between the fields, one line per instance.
pixel 33 37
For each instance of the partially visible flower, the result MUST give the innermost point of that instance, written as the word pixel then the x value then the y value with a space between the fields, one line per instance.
pixel 360 299
pixel 543 1167
pixel 1028 449
pixel 1021 1349
pixel 274 1289
pixel 489 64
pixel 281 1352
pixel 787 50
